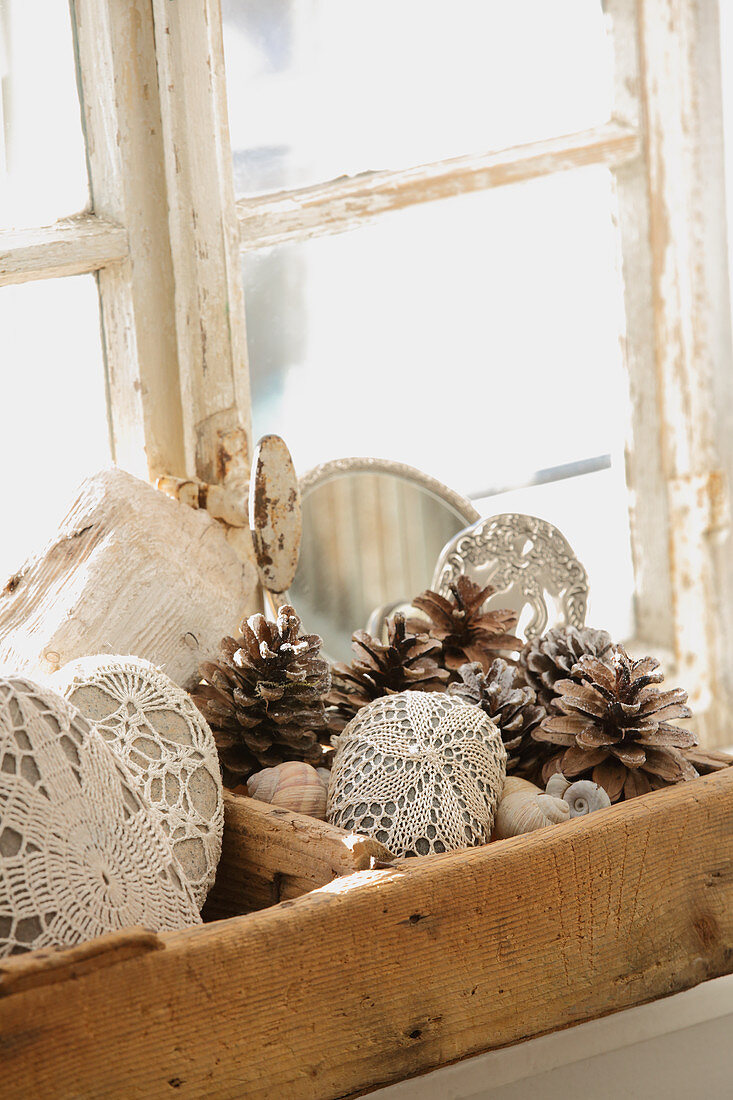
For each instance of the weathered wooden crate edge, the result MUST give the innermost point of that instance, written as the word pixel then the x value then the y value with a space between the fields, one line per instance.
pixel 389 973
pixel 270 855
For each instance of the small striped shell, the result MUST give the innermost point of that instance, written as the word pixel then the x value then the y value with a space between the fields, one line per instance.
pixel 293 785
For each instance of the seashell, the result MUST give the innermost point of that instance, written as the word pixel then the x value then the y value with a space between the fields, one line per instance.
pixel 292 786
pixel 556 785
pixel 419 771
pixel 584 797
pixel 524 808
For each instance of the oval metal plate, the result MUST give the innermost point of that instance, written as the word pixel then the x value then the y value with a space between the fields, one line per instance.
pixel 274 513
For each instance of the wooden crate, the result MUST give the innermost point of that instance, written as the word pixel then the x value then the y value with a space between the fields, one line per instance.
pixel 388 972
pixel 271 855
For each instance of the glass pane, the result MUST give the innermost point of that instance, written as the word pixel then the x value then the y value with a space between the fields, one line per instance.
pixel 326 87
pixel 476 339
pixel 53 413
pixel 43 172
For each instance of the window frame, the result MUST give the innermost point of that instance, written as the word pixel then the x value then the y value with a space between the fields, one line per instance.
pixel 166 233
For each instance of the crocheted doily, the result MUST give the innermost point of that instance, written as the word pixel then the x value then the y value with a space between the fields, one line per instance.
pixel 80 853
pixel 420 771
pixel 154 728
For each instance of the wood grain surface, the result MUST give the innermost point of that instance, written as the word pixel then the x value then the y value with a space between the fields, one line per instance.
pixel 388 973
pixel 270 854
pixel 127 571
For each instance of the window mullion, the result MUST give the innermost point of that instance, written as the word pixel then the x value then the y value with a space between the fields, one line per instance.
pixel 342 204
pixel 209 300
pixel 118 86
pixel 645 475
pixel 679 358
pixel 74 246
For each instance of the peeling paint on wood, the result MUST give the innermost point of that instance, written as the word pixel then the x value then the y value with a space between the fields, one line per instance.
pixel 75 246
pixel 121 119
pixel 209 300
pixel 680 460
pixel 346 202
pixel 215 499
pixel 275 515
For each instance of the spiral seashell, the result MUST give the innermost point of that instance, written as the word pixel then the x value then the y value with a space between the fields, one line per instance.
pixel 293 786
pixel 584 797
pixel 556 785
pixel 524 808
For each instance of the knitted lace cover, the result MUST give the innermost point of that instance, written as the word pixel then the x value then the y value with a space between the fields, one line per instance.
pixel 420 771
pixel 157 732
pixel 80 853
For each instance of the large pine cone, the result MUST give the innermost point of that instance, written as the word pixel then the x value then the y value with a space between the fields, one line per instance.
pixel 264 699
pixel 553 656
pixel 467 633
pixel 512 706
pixel 408 662
pixel 616 727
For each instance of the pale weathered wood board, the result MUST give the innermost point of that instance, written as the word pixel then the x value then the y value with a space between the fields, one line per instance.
pixel 348 201
pixel 115 46
pixel 208 313
pixel 388 973
pixel 128 571
pixel 72 247
pixel 676 342
pixel 270 854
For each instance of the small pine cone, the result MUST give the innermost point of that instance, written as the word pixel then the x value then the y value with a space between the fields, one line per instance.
pixel 467 633
pixel 512 706
pixel 264 698
pixel 408 662
pixel 552 657
pixel 610 723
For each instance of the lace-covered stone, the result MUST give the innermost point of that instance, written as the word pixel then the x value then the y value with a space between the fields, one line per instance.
pixel 80 853
pixel 420 771
pixel 154 728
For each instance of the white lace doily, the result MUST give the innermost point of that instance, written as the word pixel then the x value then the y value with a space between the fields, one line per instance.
pixel 420 771
pixel 80 853
pixel 154 728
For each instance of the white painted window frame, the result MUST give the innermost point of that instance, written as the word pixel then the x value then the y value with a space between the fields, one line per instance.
pixel 166 234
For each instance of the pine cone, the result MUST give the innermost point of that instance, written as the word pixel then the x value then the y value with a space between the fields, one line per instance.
pixel 708 760
pixel 512 706
pixel 407 663
pixel 553 657
pixel 615 727
pixel 264 699
pixel 467 633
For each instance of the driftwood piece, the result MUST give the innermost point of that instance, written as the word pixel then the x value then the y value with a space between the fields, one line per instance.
pixel 129 571
pixel 389 973
pixel 270 854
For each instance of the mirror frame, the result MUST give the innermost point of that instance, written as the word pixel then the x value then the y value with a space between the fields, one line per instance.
pixel 327 471
pixel 334 468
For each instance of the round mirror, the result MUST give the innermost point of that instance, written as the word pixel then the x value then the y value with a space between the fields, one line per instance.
pixel 372 534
